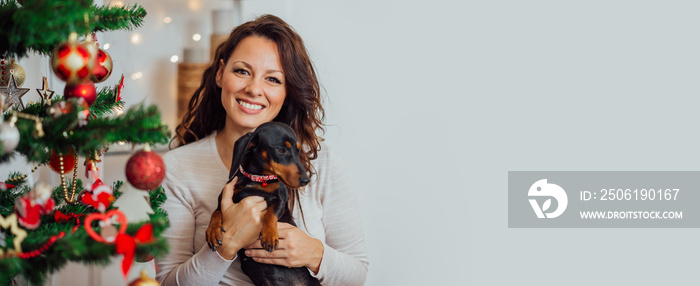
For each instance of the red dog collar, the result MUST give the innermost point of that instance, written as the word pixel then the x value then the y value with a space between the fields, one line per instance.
pixel 258 178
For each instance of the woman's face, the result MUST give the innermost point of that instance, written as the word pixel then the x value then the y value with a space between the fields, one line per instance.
pixel 252 84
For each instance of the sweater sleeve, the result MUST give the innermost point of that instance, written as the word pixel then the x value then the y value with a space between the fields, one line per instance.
pixel 345 260
pixel 184 265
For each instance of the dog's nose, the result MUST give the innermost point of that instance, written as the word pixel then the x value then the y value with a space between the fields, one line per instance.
pixel 304 181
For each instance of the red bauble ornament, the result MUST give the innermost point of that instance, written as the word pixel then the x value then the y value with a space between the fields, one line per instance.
pixel 67 159
pixel 103 67
pixel 72 61
pixel 145 170
pixel 85 90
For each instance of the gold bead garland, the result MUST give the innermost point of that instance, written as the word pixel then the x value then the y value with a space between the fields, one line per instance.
pixel 72 198
pixel 39 132
pixel 39 128
pixel 17 179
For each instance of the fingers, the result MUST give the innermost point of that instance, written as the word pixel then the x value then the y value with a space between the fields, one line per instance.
pixel 282 233
pixel 262 253
pixel 254 199
pixel 275 261
pixel 256 204
pixel 257 244
pixel 278 257
pixel 281 261
pixel 227 194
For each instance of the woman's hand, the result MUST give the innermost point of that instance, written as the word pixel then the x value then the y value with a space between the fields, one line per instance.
pixel 241 221
pixel 296 249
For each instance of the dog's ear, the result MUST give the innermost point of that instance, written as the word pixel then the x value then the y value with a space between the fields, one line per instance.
pixel 239 150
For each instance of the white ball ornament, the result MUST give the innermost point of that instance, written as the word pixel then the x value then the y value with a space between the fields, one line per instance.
pixel 9 135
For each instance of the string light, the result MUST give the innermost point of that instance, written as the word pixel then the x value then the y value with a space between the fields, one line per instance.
pixel 136 75
pixel 136 38
pixel 196 37
pixel 174 59
pixel 106 46
pixel 167 20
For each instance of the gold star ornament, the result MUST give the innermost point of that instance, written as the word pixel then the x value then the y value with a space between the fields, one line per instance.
pixel 20 234
pixel 45 93
pixel 12 94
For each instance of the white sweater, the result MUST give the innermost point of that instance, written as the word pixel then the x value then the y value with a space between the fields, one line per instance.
pixel 195 175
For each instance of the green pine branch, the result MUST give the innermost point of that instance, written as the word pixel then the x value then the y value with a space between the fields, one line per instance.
pixel 7 197
pixel 116 18
pixel 40 25
pixel 76 246
pixel 106 103
pixel 140 124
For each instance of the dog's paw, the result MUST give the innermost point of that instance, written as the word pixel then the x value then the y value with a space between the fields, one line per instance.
pixel 269 239
pixel 214 235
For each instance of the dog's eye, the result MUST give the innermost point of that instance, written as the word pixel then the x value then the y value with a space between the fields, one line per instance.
pixel 281 150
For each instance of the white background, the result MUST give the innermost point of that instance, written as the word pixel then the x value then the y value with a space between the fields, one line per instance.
pixel 430 103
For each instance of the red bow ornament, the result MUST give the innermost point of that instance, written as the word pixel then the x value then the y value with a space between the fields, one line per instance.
pixel 58 216
pixel 4 186
pixel 126 245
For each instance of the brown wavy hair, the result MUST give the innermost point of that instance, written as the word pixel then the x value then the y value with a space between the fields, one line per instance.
pixel 302 109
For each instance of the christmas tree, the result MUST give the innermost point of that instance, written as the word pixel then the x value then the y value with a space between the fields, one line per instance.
pixel 43 227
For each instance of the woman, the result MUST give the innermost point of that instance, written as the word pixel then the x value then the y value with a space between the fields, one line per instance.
pixel 261 73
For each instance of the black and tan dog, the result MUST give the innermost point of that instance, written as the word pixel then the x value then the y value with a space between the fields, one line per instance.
pixel 266 163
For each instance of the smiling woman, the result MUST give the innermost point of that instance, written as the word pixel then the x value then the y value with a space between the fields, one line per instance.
pixel 252 84
pixel 261 73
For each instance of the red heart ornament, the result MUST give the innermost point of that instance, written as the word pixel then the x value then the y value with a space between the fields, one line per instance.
pixel 120 219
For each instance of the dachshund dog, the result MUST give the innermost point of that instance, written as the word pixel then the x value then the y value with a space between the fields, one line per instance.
pixel 266 163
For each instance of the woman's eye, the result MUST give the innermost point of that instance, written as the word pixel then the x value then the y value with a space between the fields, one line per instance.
pixel 241 71
pixel 274 79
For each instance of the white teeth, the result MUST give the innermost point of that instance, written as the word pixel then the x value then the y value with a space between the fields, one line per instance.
pixel 250 106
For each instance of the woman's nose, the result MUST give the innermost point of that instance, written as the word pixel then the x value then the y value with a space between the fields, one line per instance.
pixel 254 87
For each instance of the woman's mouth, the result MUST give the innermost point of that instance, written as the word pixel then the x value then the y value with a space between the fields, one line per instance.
pixel 250 106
